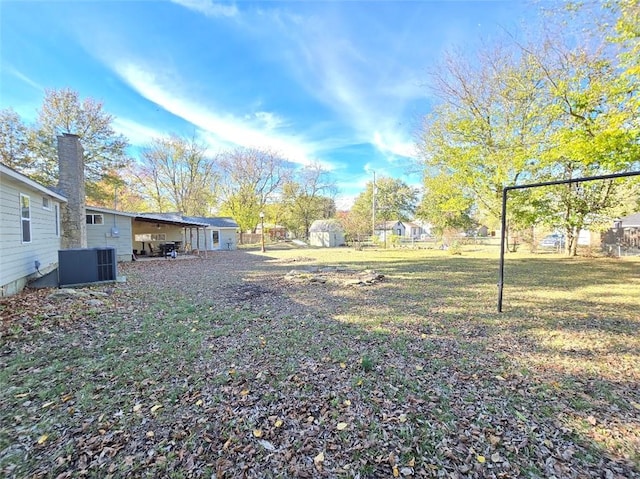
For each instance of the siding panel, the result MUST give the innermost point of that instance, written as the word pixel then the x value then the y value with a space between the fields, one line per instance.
pixel 17 259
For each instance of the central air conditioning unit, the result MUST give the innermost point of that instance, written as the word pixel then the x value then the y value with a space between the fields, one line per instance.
pixel 86 265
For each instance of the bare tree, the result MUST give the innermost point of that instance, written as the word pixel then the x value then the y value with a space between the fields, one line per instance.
pixel 14 141
pixel 250 178
pixel 176 174
pixel 307 197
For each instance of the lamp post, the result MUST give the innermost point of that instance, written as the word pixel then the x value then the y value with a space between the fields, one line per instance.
pixel 262 229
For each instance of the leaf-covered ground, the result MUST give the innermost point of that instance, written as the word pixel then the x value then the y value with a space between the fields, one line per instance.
pixel 224 367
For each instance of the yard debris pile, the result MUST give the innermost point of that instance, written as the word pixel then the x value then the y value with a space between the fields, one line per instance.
pixel 336 275
pixel 229 370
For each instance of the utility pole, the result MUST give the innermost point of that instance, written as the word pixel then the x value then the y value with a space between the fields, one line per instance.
pixel 373 200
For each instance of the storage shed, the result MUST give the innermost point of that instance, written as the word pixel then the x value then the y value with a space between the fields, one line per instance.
pixel 326 233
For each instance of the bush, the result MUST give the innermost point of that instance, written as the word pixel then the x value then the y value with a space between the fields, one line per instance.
pixel 455 248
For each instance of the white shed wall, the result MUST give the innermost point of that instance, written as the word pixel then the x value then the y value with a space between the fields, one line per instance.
pixel 326 239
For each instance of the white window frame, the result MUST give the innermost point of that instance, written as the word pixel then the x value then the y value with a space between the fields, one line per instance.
pixel 26 219
pixel 46 203
pixel 93 217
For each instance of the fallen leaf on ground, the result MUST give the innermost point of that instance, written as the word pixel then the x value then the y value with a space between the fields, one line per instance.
pixel 267 445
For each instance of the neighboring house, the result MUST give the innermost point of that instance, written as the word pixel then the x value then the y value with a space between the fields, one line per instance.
pixel 482 231
pixel 625 233
pixel 413 230
pixel 630 226
pixel 110 228
pixel 390 228
pixel 326 233
pixel 30 231
pixel 272 231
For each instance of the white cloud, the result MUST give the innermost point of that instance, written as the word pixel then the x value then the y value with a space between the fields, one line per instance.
pixel 269 120
pixel 368 90
pixel 138 135
pixel 220 129
pixel 23 77
pixel 391 142
pixel 209 8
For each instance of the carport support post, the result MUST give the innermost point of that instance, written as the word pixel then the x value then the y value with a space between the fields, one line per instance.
pixel 204 234
pixel 503 237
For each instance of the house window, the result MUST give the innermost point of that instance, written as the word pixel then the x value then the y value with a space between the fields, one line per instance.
pixel 56 212
pixel 25 218
pixel 45 203
pixel 96 219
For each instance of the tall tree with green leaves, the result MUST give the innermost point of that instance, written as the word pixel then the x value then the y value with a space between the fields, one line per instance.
pixel 177 175
pixel 445 206
pixel 559 108
pixel 594 130
pixel 63 111
pixel 483 136
pixel 394 200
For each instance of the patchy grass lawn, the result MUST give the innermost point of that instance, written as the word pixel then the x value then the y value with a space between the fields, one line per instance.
pixel 222 367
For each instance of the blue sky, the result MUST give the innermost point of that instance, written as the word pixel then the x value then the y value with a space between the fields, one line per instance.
pixel 342 83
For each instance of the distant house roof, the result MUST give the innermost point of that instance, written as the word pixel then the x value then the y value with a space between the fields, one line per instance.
pixel 10 172
pixel 324 226
pixel 631 221
pixel 387 225
pixel 219 222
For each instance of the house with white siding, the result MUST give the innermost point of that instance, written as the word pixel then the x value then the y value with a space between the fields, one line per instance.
pixel 30 230
pixel 110 229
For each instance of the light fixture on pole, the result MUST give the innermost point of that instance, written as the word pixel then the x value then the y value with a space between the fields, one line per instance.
pixel 262 229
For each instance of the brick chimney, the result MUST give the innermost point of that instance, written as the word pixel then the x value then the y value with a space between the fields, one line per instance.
pixel 71 183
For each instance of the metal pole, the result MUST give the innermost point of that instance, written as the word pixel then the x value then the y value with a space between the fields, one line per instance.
pixel 502 245
pixel 373 196
pixel 536 185
pixel 262 230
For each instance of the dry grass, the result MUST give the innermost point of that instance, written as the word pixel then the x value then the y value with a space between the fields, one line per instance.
pixel 256 376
